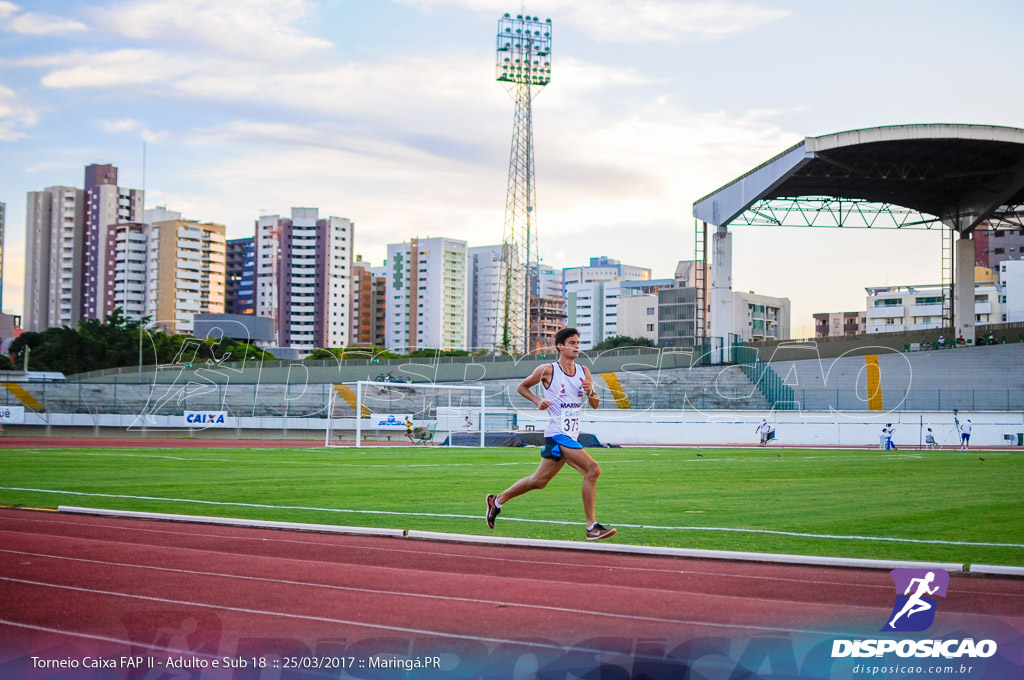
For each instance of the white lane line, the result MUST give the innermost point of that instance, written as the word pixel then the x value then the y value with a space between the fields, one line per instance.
pixel 346 546
pixel 393 513
pixel 359 624
pixel 125 455
pixel 473 600
pixel 323 544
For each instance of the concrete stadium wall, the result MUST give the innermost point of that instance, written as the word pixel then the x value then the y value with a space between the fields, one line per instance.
pixel 860 345
pixel 659 428
pixel 443 370
pixel 976 378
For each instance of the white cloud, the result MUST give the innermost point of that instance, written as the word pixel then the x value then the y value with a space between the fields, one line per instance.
pixel 251 27
pixel 124 125
pixel 15 115
pixel 638 21
pixel 599 176
pixel 114 69
pixel 42 24
pixel 7 9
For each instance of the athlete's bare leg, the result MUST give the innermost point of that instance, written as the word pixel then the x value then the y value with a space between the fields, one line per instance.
pixel 580 460
pixel 547 469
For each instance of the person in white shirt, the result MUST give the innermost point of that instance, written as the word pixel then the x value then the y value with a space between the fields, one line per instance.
pixel 929 439
pixel 965 435
pixel 763 429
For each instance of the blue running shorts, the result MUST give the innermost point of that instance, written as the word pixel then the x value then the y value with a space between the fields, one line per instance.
pixel 553 446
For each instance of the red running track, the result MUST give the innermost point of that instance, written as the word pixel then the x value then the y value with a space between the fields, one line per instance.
pixel 86 582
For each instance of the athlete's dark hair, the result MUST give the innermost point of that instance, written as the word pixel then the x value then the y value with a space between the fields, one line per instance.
pixel 564 335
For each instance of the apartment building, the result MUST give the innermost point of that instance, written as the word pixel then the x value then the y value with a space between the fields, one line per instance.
pixel 839 324
pixel 53 258
pixel 486 283
pixel 427 294
pixel 638 316
pixel 911 308
pixel 241 276
pixel 303 277
pixel 368 306
pixel 603 269
pixel 1011 280
pixel 126 270
pixel 592 309
pixel 760 317
pixel 186 272
pixel 105 204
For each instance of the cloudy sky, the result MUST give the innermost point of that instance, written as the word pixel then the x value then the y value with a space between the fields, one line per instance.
pixel 387 112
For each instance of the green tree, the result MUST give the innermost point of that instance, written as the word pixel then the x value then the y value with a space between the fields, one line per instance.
pixel 116 342
pixel 619 341
pixel 322 355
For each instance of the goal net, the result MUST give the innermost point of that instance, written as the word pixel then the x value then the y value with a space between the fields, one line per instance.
pixel 374 413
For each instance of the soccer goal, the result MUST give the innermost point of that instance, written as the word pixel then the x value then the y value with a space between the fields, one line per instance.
pixel 374 413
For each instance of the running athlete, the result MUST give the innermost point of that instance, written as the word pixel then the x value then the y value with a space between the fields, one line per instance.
pixel 565 384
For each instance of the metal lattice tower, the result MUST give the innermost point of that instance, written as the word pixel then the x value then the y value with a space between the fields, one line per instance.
pixel 523 65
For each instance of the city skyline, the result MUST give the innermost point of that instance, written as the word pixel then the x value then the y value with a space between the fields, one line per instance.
pixel 250 108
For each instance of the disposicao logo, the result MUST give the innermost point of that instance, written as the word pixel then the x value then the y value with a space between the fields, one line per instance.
pixel 914 611
pixel 916 592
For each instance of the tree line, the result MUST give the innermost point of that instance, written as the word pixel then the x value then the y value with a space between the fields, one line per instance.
pixel 95 345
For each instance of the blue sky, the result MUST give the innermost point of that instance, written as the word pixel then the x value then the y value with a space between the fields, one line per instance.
pixel 388 113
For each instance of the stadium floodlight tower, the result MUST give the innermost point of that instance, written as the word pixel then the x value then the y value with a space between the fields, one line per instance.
pixel 523 65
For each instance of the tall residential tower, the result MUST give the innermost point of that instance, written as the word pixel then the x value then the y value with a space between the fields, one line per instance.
pixel 53 258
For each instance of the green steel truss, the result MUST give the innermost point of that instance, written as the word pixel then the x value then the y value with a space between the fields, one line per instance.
pixel 832 212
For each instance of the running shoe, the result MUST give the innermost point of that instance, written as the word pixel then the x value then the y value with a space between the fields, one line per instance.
pixel 492 511
pixel 599 532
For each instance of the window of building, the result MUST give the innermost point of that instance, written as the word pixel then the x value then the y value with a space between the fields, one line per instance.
pixel 999 251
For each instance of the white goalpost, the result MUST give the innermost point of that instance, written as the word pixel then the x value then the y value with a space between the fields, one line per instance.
pixel 377 413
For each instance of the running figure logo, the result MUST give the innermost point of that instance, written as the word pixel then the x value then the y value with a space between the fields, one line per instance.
pixel 915 605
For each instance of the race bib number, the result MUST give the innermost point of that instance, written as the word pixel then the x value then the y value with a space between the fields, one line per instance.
pixel 570 421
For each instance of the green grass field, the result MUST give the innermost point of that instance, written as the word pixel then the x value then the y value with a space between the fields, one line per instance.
pixel 957 503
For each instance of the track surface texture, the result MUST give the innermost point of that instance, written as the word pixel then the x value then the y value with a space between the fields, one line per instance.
pixel 92 585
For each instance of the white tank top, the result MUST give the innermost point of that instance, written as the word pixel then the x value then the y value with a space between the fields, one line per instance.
pixel 566 396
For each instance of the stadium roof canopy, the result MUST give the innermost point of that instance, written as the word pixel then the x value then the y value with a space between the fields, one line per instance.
pixel 904 176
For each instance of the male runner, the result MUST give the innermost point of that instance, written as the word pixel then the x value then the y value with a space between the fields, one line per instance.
pixel 565 385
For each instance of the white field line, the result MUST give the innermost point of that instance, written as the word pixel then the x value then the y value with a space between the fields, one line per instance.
pixel 516 519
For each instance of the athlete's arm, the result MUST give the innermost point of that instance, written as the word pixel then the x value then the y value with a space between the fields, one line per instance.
pixel 540 373
pixel 593 398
